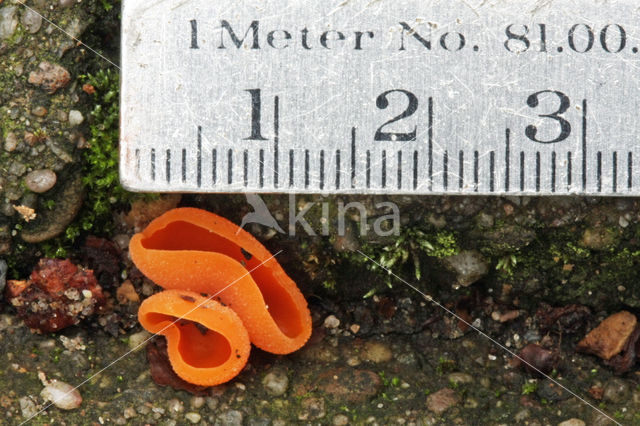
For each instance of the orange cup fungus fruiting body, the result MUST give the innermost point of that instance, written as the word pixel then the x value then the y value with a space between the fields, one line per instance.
pixel 207 342
pixel 195 250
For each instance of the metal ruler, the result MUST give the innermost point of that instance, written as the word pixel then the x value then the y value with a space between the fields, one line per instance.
pixel 381 96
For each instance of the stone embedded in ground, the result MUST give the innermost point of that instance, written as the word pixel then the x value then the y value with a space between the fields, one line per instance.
pixel 62 395
pixel 537 359
pixel 57 295
pixel 75 117
pixel 312 409
pixel 31 20
pixel 376 352
pixel 40 181
pixel 616 390
pixel 610 336
pixel 442 400
pixel 469 266
pixel 276 382
pixel 572 422
pixel 349 384
pixel 50 77
pixel 8 21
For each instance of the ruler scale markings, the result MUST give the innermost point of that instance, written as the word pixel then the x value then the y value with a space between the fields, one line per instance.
pixel 368 169
pixel 199 157
pixel 314 98
pixel 338 169
pixel 569 169
pixel 306 168
pixel 153 164
pixel 245 166
pixel 291 167
pixel 537 171
pixel 430 144
pixel 276 139
pixel 521 171
pixel 553 171
pixel 629 170
pixel 353 157
pixel 168 166
pixel 261 169
pixel 492 171
pixel 445 172
pixel 184 165
pixel 322 169
pixel 415 169
pixel 384 169
pixel 230 167
pixel 599 171
pixel 584 145
pixel 614 171
pixel 507 159
pixel 476 166
pixel 214 166
pixel 137 155
pixel 460 169
pixel 399 169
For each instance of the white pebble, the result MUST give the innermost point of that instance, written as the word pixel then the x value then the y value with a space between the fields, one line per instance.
pixel 62 395
pixel 75 117
pixel 331 322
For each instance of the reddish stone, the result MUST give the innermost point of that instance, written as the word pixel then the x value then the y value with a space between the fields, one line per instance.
pixel 50 77
pixel 58 295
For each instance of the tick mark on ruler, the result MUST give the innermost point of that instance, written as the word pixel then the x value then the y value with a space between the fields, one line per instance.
pixel 338 169
pixel 353 157
pixel 306 168
pixel 629 170
pixel 445 170
pixel 261 168
pixel 199 157
pixel 599 171
pixel 137 155
pixel 537 171
pixel 614 166
pixel 322 169
pixel 368 169
pixel 245 161
pixel 168 166
pixel 214 166
pixel 399 169
pixel 553 171
pixel 430 144
pixel 291 168
pixel 507 159
pixel 384 168
pixel 460 169
pixel 569 169
pixel 584 144
pixel 184 165
pixel 230 167
pixel 153 164
pixel 476 166
pixel 276 139
pixel 492 171
pixel 415 169
pixel 521 171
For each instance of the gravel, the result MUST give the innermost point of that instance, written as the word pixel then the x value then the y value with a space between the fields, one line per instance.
pixel 40 181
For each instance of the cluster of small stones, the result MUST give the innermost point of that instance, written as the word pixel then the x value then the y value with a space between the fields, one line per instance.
pixel 40 107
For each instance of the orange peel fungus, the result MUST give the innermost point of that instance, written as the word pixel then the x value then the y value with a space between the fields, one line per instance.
pixel 199 252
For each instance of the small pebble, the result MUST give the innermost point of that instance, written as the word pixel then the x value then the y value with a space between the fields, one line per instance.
pixel 62 394
pixel 40 180
pixel 31 20
pixel 331 322
pixel 10 142
pixel 28 407
pixel 39 111
pixel 75 117
pixel 193 417
pixel 137 340
pixel 129 413
pixel 340 420
pixel 197 401
pixel 276 382
pixel 572 422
